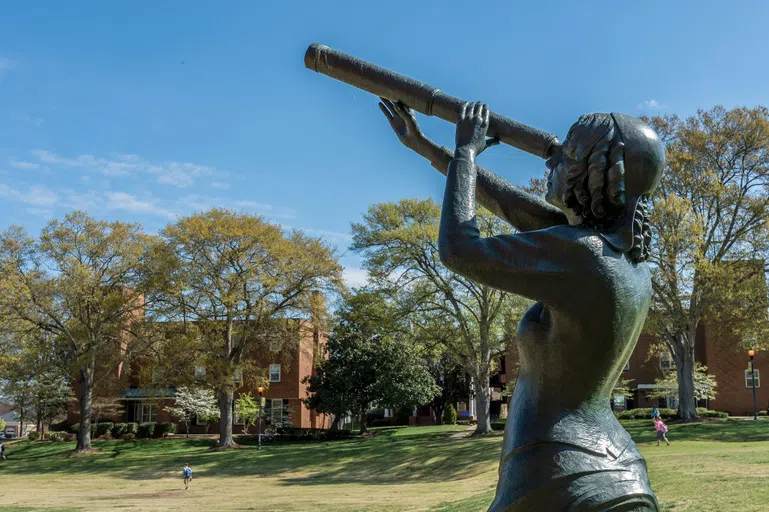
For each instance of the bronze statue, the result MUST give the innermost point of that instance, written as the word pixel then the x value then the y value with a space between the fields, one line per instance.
pixel 581 255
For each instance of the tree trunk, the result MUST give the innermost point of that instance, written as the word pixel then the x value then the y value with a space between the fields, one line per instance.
pixel 363 428
pixel 335 423
pixel 684 358
pixel 86 395
pixel 225 397
pixel 482 402
pixel 187 427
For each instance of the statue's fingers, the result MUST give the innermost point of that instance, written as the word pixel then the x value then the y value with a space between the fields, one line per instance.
pixel 485 115
pixel 389 115
pixel 463 112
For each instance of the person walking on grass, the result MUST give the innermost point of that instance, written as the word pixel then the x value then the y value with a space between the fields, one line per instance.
pixel 662 429
pixel 187 474
pixel 2 451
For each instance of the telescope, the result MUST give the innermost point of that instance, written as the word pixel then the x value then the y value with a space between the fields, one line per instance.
pixel 422 97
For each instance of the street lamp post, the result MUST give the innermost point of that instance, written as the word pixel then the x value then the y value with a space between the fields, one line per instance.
pixel 752 354
pixel 259 390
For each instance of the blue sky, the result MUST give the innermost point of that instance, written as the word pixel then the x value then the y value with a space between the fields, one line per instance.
pixel 143 111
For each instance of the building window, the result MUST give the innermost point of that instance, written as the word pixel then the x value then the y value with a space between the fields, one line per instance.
pixel 200 372
pixel 236 419
pixel 749 379
pixel 146 413
pixel 277 414
pixel 619 402
pixel 274 373
pixel 237 376
pixel 198 421
pixel 672 402
pixel 627 366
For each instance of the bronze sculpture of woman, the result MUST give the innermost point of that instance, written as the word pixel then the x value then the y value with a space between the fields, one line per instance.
pixel 580 254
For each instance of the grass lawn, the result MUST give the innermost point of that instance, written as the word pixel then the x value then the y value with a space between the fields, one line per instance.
pixel 715 466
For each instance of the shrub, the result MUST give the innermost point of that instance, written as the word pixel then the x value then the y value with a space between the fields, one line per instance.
pixel 165 429
pixel 450 415
pixel 56 436
pixel 118 429
pixel 132 428
pixel 129 437
pixel 74 428
pixel 707 413
pixel 34 435
pixel 104 428
pixel 146 430
pixel 69 436
pixel 646 414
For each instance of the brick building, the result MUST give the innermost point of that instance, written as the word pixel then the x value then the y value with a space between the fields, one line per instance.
pixel 729 364
pixel 284 394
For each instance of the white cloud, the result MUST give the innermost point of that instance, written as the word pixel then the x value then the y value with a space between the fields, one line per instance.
pixel 178 174
pixel 355 277
pixel 128 202
pixel 336 236
pixel 220 185
pixel 19 164
pixel 36 196
pixel 38 211
pixel 651 104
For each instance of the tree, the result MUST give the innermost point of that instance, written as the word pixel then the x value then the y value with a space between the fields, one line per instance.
pixel 191 402
pixel 710 221
pixel 247 409
pixel 704 384
pixel 399 244
pixel 369 362
pixel 234 275
pixel 2 425
pixel 87 285
pixel 51 394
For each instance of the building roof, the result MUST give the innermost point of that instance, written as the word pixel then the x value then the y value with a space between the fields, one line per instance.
pixel 133 393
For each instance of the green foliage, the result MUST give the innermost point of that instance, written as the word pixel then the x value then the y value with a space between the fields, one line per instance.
pixel 2 425
pixel 450 415
pixel 398 242
pixel 165 429
pixel 622 387
pixel 146 430
pixel 234 275
pixel 646 413
pixel 247 409
pixel 35 435
pixel 118 429
pixel 128 436
pixel 704 384
pixel 57 436
pixel 710 220
pixel 104 428
pixel 369 362
pixel 707 413
pixel 132 428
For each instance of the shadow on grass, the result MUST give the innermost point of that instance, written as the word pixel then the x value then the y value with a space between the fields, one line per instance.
pixel 392 457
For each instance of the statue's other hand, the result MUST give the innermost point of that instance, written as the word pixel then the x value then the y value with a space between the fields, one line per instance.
pixel 403 123
pixel 472 125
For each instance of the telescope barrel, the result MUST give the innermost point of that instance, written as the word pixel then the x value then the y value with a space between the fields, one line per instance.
pixel 421 97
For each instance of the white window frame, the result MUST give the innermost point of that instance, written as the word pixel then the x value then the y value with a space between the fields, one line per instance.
pixel 273 367
pixel 198 421
pixel 620 401
pixel 748 383
pixel 139 413
pixel 627 366
pixel 237 376
pixel 236 419
pixel 279 403
pixel 200 372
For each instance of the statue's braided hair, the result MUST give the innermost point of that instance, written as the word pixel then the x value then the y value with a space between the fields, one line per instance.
pixel 595 180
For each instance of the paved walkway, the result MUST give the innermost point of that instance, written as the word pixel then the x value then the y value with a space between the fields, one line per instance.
pixel 465 433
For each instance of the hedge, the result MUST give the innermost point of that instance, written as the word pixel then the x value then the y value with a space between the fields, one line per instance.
pixel 164 429
pixel 146 430
pixel 450 415
pixel 118 429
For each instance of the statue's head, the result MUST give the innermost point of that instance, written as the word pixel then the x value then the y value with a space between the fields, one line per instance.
pixel 606 169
